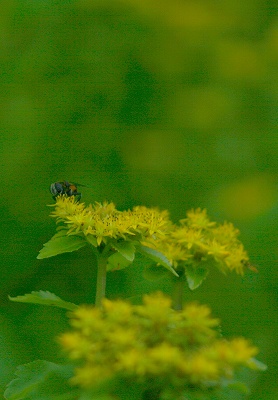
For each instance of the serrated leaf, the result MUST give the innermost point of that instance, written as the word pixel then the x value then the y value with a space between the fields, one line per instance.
pixel 59 244
pixel 126 249
pixel 195 276
pixel 41 380
pixel 154 272
pixel 44 298
pixel 117 261
pixel 156 256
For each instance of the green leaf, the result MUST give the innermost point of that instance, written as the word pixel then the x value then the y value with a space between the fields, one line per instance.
pixel 156 256
pixel 117 261
pixel 41 380
pixel 154 272
pixel 44 298
pixel 126 249
pixel 195 276
pixel 256 364
pixel 91 239
pixel 239 387
pixel 62 228
pixel 60 243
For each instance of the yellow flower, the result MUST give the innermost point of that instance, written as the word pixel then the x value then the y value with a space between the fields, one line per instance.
pixel 89 375
pixel 156 309
pixel 150 221
pixel 241 351
pixel 152 343
pixel 66 206
pixel 157 300
pixel 198 219
pixel 225 233
pixel 236 259
pixel 199 314
pixel 104 221
pixel 200 368
pixel 195 242
pixel 188 236
pixel 119 311
pixel 133 362
pixel 218 251
pixel 121 337
pixel 196 324
pixel 104 209
pixel 175 252
pixel 163 358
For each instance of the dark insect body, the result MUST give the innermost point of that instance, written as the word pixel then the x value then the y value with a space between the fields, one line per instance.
pixel 65 188
pixel 249 266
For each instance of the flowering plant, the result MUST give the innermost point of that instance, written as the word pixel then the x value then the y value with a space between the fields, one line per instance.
pixel 161 349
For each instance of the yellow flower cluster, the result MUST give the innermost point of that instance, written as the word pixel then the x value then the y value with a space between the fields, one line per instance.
pixel 104 221
pixel 152 342
pixel 195 241
pixel 198 240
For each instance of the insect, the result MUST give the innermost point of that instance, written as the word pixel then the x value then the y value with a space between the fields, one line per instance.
pixel 251 267
pixel 65 187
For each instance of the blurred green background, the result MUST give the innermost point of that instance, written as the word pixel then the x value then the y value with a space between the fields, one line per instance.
pixel 168 103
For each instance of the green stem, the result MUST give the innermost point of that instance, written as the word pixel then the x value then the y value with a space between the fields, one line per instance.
pixel 177 295
pixel 101 279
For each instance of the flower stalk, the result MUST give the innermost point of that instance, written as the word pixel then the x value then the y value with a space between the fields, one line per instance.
pixel 177 295
pixel 101 279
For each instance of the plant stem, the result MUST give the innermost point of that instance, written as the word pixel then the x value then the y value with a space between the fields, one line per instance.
pixel 177 295
pixel 101 280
